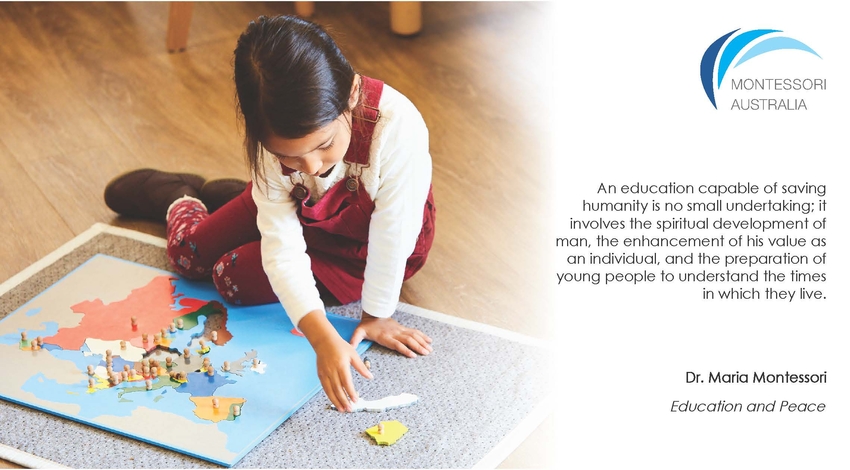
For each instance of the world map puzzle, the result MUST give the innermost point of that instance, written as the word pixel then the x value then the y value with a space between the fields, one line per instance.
pixel 64 348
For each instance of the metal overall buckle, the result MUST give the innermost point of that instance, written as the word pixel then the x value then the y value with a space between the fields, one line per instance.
pixel 377 114
pixel 352 183
pixel 299 191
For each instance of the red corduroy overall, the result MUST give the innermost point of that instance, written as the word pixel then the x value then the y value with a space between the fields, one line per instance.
pixel 226 243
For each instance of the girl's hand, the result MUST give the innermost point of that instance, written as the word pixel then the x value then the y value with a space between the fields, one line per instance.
pixel 334 359
pixel 389 333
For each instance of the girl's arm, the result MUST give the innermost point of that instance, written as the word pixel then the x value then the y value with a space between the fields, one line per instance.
pixel 334 357
pixel 287 266
pixel 405 178
pixel 283 248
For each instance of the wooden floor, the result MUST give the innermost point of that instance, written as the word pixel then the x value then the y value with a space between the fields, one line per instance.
pixel 87 90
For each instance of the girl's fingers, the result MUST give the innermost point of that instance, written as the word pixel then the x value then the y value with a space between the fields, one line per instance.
pixel 427 338
pixel 402 348
pixel 413 344
pixel 358 336
pixel 360 367
pixel 348 386
pixel 423 340
pixel 334 393
pixel 342 398
pixel 328 388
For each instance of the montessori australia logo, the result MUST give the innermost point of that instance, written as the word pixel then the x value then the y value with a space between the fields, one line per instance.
pixel 773 92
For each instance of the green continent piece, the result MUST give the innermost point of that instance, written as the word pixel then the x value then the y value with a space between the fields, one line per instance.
pixel 190 320
pixel 230 416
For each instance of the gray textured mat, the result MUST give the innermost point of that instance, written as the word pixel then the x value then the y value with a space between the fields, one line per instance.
pixel 474 389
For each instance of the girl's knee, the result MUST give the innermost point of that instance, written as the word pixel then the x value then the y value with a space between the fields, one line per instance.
pixel 221 275
pixel 240 279
pixel 188 267
pixel 185 256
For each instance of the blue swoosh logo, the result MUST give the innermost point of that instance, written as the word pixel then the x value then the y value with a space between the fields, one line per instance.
pixel 735 46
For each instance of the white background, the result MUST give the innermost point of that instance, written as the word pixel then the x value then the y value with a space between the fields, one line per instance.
pixel 631 108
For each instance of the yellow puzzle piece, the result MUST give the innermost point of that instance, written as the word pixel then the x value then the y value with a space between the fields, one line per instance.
pixel 393 430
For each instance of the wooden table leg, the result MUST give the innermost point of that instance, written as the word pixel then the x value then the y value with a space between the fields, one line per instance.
pixel 406 18
pixel 179 19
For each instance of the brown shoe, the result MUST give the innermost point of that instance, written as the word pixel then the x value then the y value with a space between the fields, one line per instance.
pixel 147 193
pixel 217 193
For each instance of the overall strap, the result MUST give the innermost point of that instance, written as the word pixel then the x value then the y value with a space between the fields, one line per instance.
pixel 364 120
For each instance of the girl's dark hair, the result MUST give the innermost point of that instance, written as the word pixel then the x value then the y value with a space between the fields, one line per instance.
pixel 291 80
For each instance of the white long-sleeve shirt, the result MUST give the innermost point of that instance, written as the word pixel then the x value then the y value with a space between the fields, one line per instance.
pixel 397 179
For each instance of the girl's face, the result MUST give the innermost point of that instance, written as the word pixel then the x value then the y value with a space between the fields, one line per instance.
pixel 314 154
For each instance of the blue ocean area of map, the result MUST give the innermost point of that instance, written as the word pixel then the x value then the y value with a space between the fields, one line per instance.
pixel 118 362
pixel 270 327
pixel 50 329
pixel 201 385
pixel 185 338
pixel 90 405
pixel 80 360
pixel 170 401
pixel 285 379
pixel 10 338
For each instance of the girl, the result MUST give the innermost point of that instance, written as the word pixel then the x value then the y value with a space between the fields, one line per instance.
pixel 339 199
